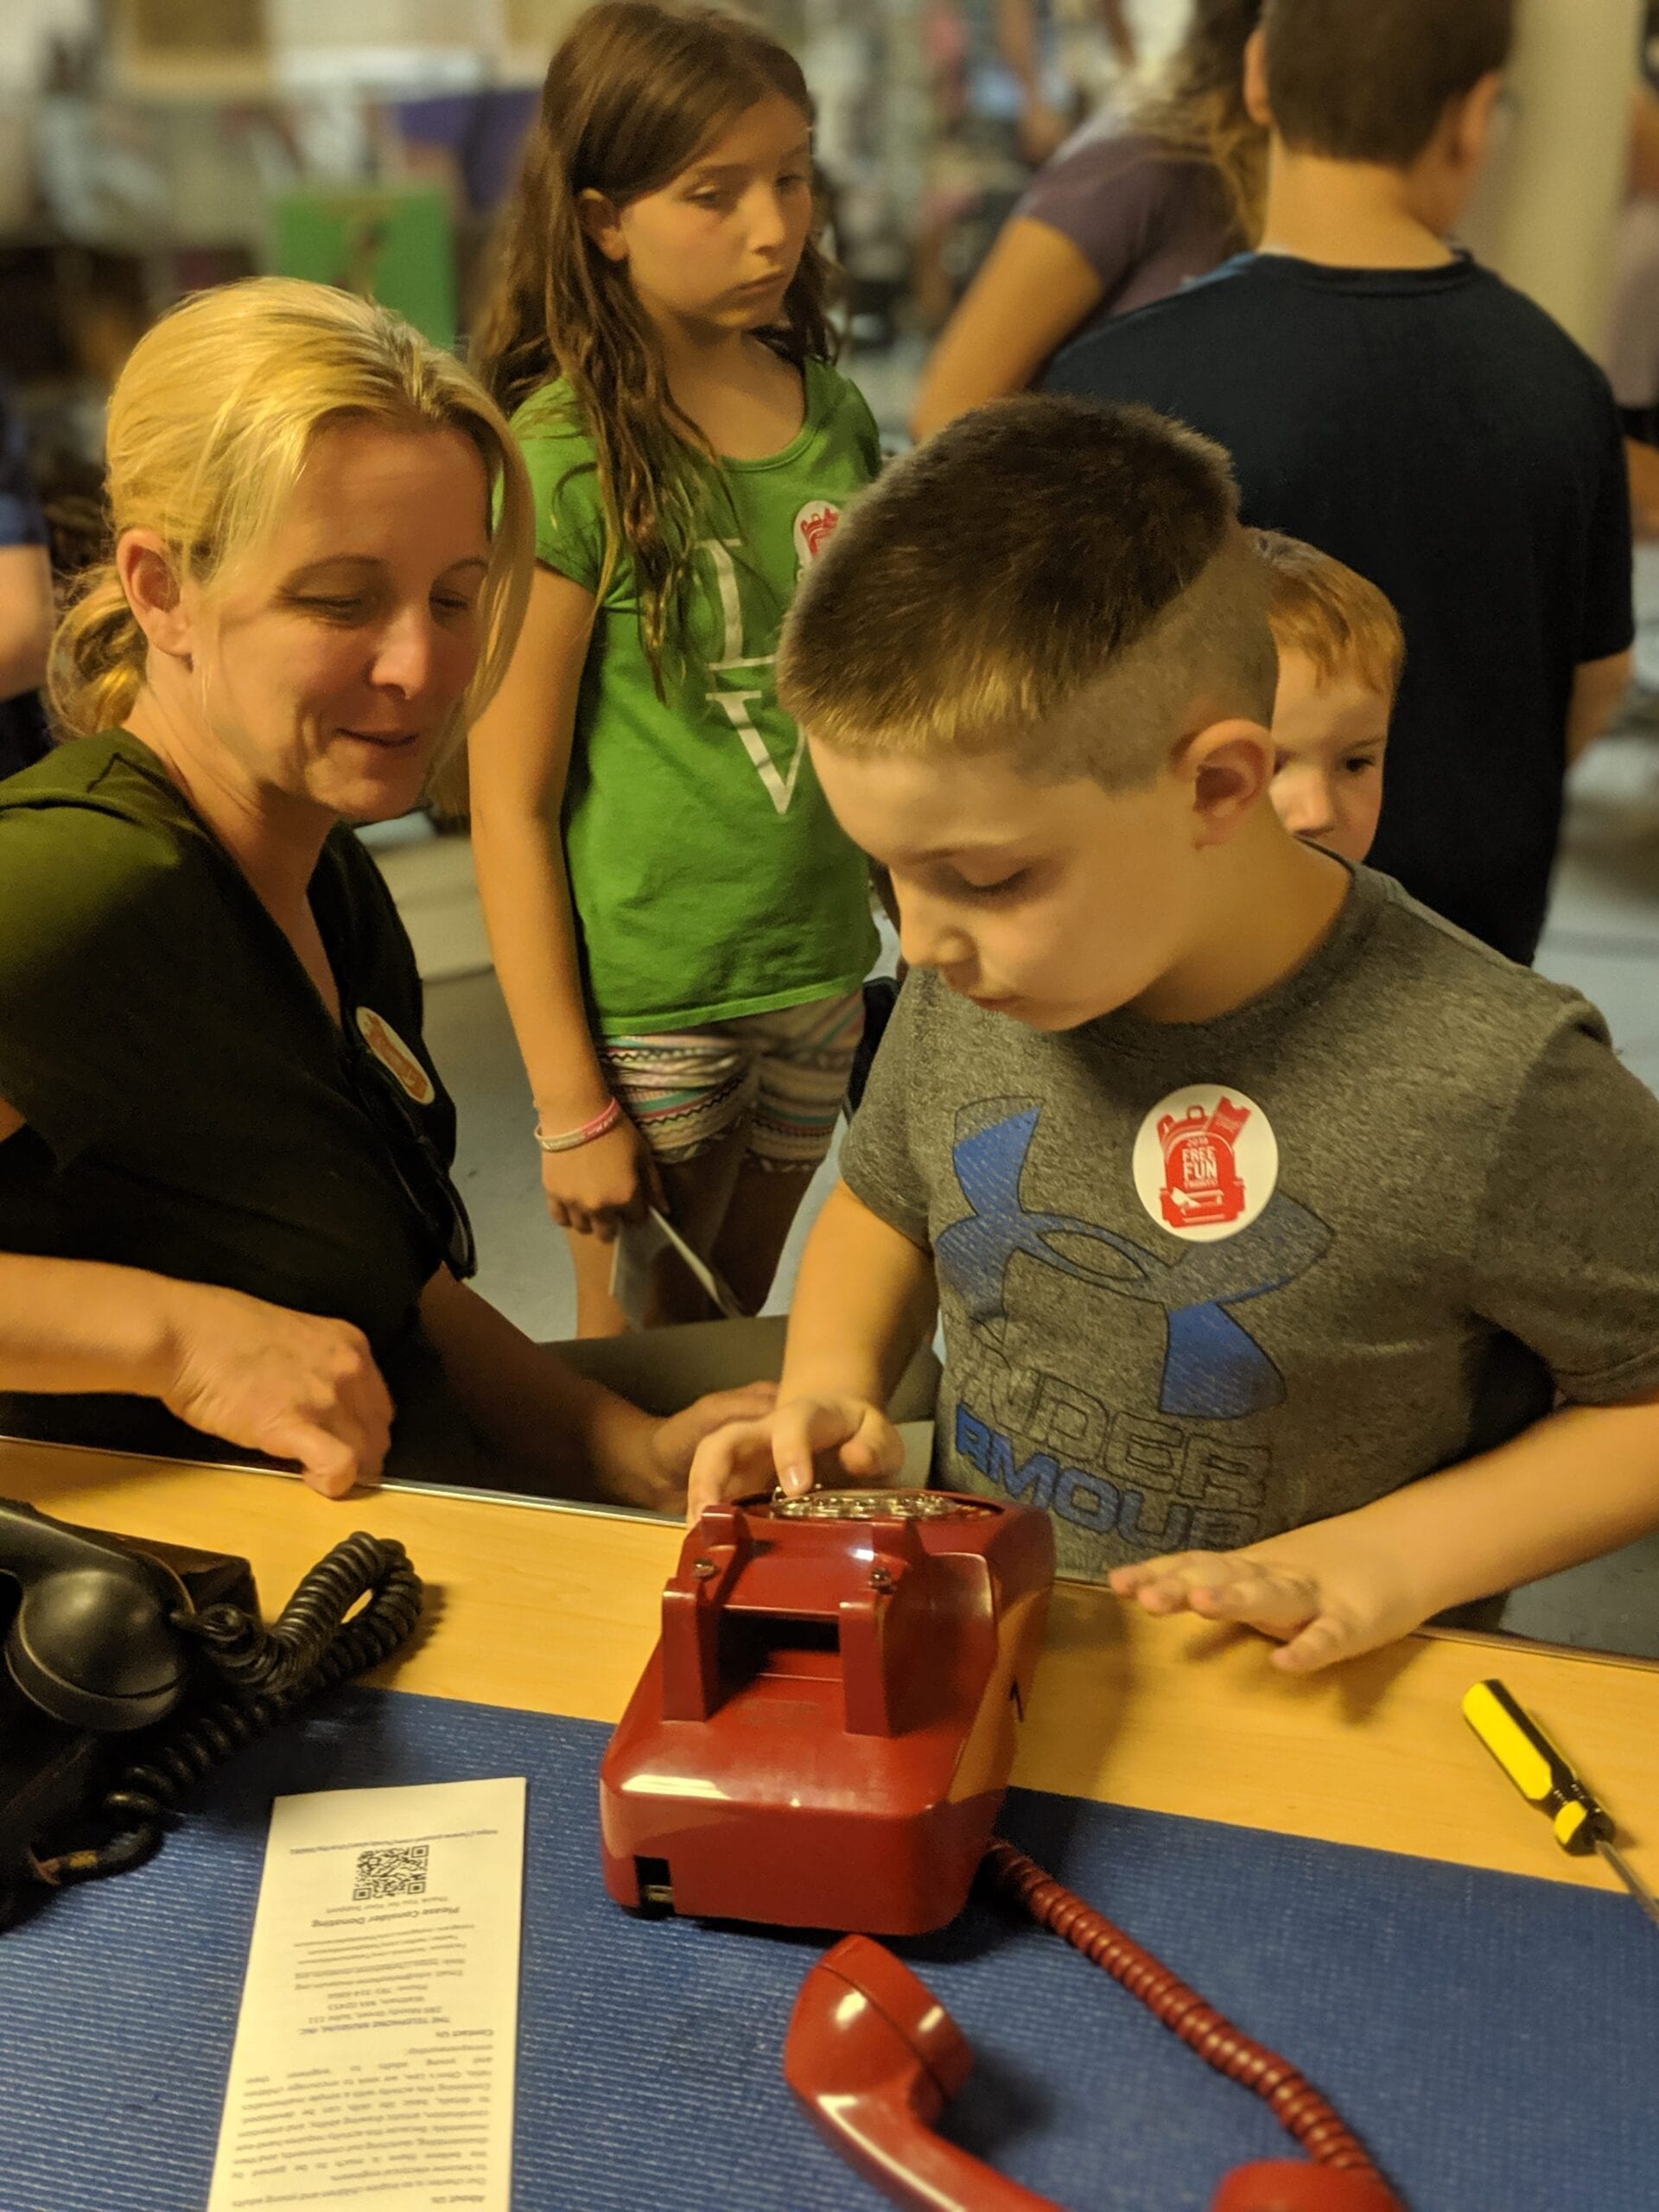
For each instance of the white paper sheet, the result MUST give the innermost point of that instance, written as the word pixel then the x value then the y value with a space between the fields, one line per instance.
pixel 638 1243
pixel 374 2054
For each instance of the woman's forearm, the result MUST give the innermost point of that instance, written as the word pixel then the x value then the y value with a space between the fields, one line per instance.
pixel 80 1324
pixel 1579 1483
pixel 864 1301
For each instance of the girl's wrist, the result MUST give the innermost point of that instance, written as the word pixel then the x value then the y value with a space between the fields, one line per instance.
pixel 608 1117
pixel 569 1105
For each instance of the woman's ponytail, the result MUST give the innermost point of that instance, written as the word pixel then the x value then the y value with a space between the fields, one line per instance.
pixel 97 660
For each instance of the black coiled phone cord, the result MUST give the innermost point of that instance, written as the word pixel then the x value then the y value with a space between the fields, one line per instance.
pixel 271 1672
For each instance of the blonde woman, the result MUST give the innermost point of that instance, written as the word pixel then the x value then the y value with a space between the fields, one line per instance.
pixel 1124 215
pixel 225 1210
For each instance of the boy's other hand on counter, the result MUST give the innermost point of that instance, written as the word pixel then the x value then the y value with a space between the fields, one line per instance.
pixel 832 1440
pixel 1320 1610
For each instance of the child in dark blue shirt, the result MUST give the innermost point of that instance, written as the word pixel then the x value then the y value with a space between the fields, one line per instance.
pixel 1387 399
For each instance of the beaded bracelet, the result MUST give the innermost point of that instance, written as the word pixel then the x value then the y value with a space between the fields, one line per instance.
pixel 601 1125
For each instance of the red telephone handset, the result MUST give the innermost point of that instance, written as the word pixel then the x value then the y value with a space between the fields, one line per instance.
pixel 875 2058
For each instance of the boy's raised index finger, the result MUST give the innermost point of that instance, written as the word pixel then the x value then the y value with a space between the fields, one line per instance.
pixel 882 1441
pixel 802 1430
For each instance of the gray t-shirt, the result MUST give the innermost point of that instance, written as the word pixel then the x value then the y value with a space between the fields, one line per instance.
pixel 1203 1282
pixel 1146 220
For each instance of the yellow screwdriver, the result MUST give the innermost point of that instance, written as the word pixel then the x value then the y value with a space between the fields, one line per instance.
pixel 1545 1779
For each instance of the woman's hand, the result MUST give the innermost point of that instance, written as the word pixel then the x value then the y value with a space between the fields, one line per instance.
pixel 1320 1608
pixel 598 1186
pixel 833 1439
pixel 293 1385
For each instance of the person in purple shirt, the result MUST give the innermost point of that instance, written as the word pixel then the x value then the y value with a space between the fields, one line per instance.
pixel 1125 213
pixel 25 602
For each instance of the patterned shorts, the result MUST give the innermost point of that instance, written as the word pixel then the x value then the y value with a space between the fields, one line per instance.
pixel 781 1078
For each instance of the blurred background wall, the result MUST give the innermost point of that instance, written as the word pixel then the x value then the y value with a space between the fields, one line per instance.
pixel 147 147
pixel 1547 211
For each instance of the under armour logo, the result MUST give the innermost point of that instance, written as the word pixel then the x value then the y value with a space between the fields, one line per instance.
pixel 1213 1368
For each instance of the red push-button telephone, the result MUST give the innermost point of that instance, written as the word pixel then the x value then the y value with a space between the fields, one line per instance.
pixel 822 1740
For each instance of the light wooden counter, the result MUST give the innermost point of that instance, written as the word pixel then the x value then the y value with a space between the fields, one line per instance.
pixel 555 1611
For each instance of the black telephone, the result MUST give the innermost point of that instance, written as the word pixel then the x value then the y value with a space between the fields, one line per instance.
pixel 132 1670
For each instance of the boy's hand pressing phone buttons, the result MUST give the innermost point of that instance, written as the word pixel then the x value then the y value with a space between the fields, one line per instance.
pixel 807 1441
pixel 1319 1614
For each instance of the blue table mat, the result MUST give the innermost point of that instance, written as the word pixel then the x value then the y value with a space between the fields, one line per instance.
pixel 1495 2039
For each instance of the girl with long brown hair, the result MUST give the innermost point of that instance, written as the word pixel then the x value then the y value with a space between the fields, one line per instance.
pixel 1126 213
pixel 679 926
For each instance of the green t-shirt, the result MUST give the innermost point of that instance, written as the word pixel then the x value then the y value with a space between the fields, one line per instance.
pixel 191 1106
pixel 710 877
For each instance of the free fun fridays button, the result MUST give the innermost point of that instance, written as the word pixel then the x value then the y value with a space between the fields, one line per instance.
pixel 1205 1162
pixel 394 1055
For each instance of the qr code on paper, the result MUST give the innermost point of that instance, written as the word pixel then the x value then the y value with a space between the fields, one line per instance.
pixel 396 1871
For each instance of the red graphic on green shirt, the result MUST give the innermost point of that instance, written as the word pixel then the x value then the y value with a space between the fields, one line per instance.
pixel 815 526
pixel 1201 1183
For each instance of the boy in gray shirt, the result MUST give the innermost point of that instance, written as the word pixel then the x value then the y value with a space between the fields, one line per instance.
pixel 1270 1216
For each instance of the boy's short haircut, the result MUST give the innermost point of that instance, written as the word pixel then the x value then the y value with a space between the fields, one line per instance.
pixel 1368 80
pixel 1338 619
pixel 1062 581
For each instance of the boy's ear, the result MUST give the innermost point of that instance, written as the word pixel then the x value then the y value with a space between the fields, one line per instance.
pixel 1256 104
pixel 1472 123
pixel 1227 766
pixel 145 568
pixel 602 219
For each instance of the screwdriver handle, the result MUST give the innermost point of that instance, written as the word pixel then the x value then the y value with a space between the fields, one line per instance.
pixel 1535 1767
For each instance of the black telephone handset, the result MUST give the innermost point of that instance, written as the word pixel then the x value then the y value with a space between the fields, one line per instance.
pixel 133 1669
pixel 92 1642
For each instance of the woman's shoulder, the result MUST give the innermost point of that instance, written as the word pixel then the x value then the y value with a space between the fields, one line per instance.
pixel 97 847
pixel 106 793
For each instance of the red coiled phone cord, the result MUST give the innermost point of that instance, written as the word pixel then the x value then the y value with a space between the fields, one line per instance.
pixel 1297 2105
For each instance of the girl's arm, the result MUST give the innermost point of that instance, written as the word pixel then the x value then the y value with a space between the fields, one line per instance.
pixel 518 757
pixel 1034 291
